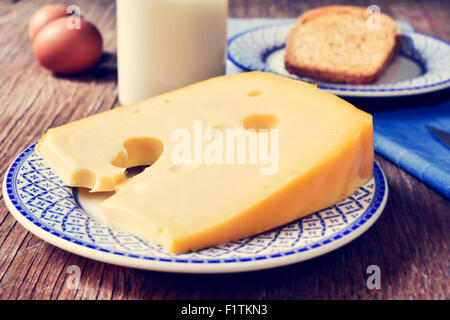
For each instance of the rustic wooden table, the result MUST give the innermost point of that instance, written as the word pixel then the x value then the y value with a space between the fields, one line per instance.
pixel 409 242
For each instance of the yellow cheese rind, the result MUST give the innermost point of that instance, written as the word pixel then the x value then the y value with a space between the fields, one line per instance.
pixel 325 154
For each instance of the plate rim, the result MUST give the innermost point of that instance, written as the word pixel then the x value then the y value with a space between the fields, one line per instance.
pixel 350 92
pixel 280 259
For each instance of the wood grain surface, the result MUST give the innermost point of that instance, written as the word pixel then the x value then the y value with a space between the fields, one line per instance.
pixel 409 242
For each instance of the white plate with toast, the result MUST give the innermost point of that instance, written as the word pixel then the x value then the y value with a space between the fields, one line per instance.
pixel 421 66
pixel 68 219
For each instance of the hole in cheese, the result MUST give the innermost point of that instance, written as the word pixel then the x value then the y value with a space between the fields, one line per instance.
pixel 254 93
pixel 134 171
pixel 142 151
pixel 261 122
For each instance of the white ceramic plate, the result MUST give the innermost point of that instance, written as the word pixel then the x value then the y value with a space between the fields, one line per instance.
pixel 423 64
pixel 69 219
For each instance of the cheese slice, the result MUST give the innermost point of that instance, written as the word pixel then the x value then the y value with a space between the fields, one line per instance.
pixel 323 152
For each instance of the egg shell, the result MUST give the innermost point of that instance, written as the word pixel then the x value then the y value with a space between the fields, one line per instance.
pixel 63 50
pixel 44 16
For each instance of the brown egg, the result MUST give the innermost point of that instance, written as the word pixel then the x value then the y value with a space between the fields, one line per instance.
pixel 43 16
pixel 64 50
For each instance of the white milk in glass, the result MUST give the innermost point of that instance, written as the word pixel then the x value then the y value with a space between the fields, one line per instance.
pixel 167 44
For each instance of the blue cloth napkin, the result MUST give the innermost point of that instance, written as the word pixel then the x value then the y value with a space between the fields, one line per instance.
pixel 400 132
pixel 401 136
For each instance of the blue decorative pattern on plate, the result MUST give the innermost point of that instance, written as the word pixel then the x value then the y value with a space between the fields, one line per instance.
pixel 422 65
pixel 41 202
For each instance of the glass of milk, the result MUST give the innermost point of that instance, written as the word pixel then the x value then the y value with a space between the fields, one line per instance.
pixel 163 45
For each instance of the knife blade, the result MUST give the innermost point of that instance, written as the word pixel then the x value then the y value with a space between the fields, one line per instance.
pixel 442 136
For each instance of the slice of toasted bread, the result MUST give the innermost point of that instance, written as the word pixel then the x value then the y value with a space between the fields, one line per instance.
pixel 339 44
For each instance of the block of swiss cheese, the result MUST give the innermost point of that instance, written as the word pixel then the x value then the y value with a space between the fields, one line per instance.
pixel 324 151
